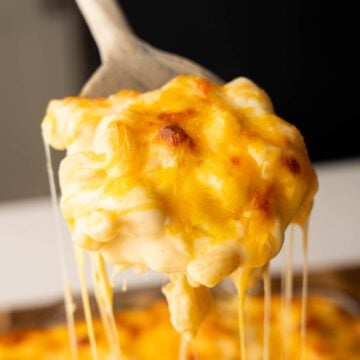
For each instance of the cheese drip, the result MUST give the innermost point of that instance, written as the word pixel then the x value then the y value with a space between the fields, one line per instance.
pixel 267 312
pixel 304 292
pixel 68 298
pixel 104 298
pixel 241 281
pixel 80 257
pixel 194 180
pixel 287 291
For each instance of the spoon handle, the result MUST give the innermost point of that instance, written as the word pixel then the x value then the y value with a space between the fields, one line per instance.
pixel 108 26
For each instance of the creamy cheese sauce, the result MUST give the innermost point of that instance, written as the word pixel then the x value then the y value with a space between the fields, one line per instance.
pixel 102 287
pixel 184 345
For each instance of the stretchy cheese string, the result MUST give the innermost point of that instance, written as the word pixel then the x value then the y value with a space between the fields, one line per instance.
pixel 68 298
pixel 267 312
pixel 81 265
pixel 287 292
pixel 241 284
pixel 304 292
pixel 104 298
pixel 184 344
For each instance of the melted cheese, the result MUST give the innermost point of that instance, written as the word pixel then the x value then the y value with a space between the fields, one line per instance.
pixel 194 180
pixel 267 312
pixel 80 261
pixel 304 292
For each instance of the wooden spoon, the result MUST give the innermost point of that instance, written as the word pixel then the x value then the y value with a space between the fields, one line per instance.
pixel 127 61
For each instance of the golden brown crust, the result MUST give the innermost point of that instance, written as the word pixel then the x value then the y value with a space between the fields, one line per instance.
pixel 292 164
pixel 261 199
pixel 174 135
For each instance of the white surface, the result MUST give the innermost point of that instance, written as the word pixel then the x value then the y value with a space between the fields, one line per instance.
pixel 29 262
